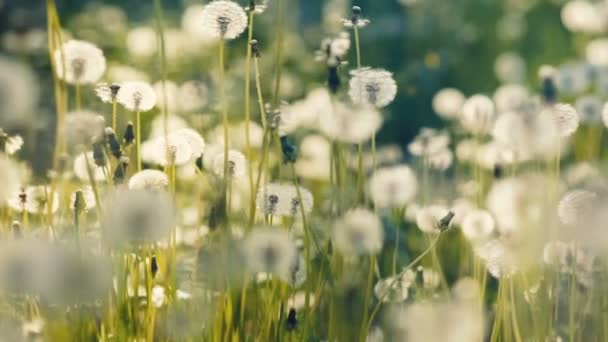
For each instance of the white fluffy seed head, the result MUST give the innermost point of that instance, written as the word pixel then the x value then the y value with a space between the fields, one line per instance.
pixel 175 149
pixel 477 225
pixel 566 118
pixel 478 114
pixel 149 180
pixel 283 200
pixel 374 87
pixel 237 164
pixel 448 102
pixel 358 232
pixel 38 200
pixel 427 218
pixel 270 250
pixel 9 178
pixel 79 62
pixel 576 206
pixel 350 124
pixel 224 19
pixel 19 93
pixel 428 142
pixel 80 168
pixel 393 187
pixel 136 96
pixel 83 127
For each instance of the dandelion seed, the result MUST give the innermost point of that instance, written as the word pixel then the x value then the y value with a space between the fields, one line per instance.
pixel 138 217
pixel 372 86
pixel 149 180
pixel 79 62
pixel 358 232
pixel 448 102
pixel 393 187
pixel 224 19
pixel 81 171
pixel 477 225
pixel 333 50
pixel 136 96
pixel 83 128
pixel 237 164
pixel 478 114
pixel 271 251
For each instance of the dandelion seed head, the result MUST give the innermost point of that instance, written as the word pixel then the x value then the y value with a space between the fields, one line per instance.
pixel 597 52
pixel 167 94
pixel 428 142
pixel 478 114
pixel 427 218
pixel 333 50
pixel 393 289
pixel 149 180
pixel 375 87
pixel 224 19
pixel 582 16
pixel 237 164
pixel 174 150
pixel 138 217
pixel 36 200
pixel 314 159
pixel 477 225
pixel 350 124
pixel 270 199
pixel 358 232
pixel 19 93
pixel 393 187
pixel 576 206
pixel 142 42
pixel 448 102
pixel 441 160
pixel 510 67
pixel 136 96
pixel 511 97
pixel 566 118
pixel 572 79
pixel 83 128
pixel 500 260
pixel 13 144
pixel 79 62
pixel 192 96
pixel 271 251
pixel 80 168
pixel 589 109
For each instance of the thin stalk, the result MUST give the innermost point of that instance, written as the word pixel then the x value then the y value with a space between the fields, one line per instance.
pixel 367 297
pixel 248 108
pixel 138 138
pixel 224 108
pixel 78 100
pixel 114 115
pixel 279 50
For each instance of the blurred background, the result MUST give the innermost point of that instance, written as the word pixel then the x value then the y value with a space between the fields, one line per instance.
pixel 472 45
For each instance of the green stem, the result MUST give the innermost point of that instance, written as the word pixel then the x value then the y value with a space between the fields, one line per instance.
pixel 248 110
pixel 138 139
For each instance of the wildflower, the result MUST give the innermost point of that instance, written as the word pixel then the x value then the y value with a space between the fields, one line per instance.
pixel 87 196
pixel 149 180
pixel 192 96
pixel 12 144
pixel 478 114
pixel 441 160
pixel 393 187
pixel 257 8
pixel 582 16
pixel 32 329
pixel 142 42
pixel 269 250
pixel 167 93
pixel 136 96
pixel 158 296
pixel 297 271
pixel 307 112
pixel 372 86
pixel 174 150
pixel 569 258
pixel 333 50
pixel 572 78
pixel 107 93
pixel 9 178
pixel 138 217
pixel 510 67
pixel 511 97
pixel 35 200
pixel 237 164
pixel 448 102
pixel 194 139
pixel 314 158
pixel 79 62
pixel 129 136
pixel 81 171
pixel 356 19
pixel 566 117
pixel 394 289
pixel 428 218
pixel 350 124
pixel 20 93
pixel 358 232
pixel 83 128
pixel 597 52
pixel 576 206
pixel 477 225
pixel 283 200
pixel 224 19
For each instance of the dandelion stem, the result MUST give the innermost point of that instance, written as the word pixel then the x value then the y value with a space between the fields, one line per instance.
pixel 78 100
pixel 248 108
pixel 138 138
pixel 114 114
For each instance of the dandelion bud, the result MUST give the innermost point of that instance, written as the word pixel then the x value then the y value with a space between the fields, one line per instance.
pixel 333 79
pixel 113 142
pixel 199 162
pixel 255 50
pixel 98 156
pixel 129 137
pixel 114 88
pixel 153 266
pixel 79 204
pixel 498 171
pixel 292 321
pixel 121 170
pixel 290 152
pixel 444 223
